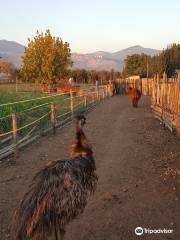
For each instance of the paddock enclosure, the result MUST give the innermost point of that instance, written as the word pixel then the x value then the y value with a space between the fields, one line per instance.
pixel 23 121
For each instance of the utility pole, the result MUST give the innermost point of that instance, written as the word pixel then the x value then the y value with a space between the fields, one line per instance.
pixel 147 68
pixel 16 83
pixel 147 74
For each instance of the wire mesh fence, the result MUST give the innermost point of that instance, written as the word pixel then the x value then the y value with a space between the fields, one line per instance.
pixel 23 122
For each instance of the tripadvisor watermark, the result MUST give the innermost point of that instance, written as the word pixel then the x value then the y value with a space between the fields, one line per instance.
pixel 140 231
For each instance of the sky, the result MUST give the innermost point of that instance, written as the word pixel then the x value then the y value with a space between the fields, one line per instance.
pixel 93 25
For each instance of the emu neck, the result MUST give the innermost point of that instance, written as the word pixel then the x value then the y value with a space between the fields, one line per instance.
pixel 79 127
pixel 81 147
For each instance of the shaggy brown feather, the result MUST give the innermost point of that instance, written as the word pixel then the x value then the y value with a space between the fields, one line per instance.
pixel 58 194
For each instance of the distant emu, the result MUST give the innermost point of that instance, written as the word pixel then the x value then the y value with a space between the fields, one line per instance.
pixel 59 192
pixel 135 95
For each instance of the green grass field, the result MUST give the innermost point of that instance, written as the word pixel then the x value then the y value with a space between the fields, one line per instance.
pixel 33 114
pixel 8 94
pixel 18 102
pixel 30 107
pixel 10 99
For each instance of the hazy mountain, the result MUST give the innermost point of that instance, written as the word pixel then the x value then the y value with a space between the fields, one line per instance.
pixel 100 60
pixel 134 50
pixel 11 51
pixel 106 60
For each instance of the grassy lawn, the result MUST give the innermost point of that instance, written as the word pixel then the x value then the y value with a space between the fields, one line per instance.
pixel 7 97
pixel 33 113
pixel 11 102
pixel 30 106
pixel 34 107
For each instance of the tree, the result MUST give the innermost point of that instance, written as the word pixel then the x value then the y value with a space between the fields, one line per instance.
pixel 6 67
pixel 171 59
pixel 45 58
pixel 91 76
pixel 136 64
pixel 167 61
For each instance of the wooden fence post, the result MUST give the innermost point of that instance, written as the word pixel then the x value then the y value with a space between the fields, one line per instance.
pixel 157 78
pixel 72 104
pixel 179 77
pixel 103 93
pixel 163 85
pixel 153 86
pixel 14 126
pixel 106 91
pixel 53 117
pixel 85 101
pixel 16 84
pixel 97 90
pixel 94 98
pixel 97 95
pixel 164 77
pixel 110 93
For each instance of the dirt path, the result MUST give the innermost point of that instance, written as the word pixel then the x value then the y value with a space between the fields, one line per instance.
pixel 137 163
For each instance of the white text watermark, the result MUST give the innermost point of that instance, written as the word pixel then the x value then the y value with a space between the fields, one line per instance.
pixel 140 231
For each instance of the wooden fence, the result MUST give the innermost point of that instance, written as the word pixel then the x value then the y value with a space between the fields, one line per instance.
pixel 146 86
pixel 22 128
pixel 166 102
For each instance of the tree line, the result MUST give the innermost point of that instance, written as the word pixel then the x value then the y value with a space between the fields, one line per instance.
pixel 91 76
pixel 167 61
pixel 48 59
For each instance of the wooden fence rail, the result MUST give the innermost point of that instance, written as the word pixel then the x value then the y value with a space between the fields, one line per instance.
pixel 166 102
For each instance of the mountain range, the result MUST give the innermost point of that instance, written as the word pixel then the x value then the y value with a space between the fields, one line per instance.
pixel 100 60
pixel 11 51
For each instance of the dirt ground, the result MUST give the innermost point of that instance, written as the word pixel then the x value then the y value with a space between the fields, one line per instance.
pixel 138 163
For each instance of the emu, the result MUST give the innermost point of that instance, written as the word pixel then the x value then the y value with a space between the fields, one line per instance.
pixel 59 192
pixel 135 95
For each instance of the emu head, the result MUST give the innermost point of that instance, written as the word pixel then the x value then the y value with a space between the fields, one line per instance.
pixel 81 120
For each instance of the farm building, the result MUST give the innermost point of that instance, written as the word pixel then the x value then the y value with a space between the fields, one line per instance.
pixel 133 78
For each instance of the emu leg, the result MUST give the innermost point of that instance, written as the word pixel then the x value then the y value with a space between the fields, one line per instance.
pixel 62 233
pixel 134 102
pixel 55 233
